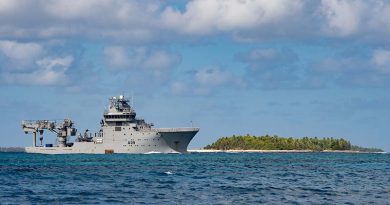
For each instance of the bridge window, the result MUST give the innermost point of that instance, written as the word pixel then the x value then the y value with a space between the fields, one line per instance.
pixel 117 116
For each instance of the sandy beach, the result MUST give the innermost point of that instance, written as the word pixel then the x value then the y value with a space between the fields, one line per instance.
pixel 276 151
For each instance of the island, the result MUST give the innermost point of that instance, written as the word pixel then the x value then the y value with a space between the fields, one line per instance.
pixel 284 144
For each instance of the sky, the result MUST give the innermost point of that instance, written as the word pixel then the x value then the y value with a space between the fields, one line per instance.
pixel 290 68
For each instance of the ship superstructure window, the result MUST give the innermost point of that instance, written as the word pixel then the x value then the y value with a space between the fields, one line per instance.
pixel 118 129
pixel 117 116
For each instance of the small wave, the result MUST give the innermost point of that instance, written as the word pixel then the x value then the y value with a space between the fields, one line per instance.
pixel 168 173
pixel 152 152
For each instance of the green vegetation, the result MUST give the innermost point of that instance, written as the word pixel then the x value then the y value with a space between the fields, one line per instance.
pixel 281 143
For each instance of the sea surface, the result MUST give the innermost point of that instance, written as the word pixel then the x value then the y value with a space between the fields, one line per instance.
pixel 199 178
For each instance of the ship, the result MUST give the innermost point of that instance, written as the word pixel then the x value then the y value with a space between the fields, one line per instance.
pixel 120 132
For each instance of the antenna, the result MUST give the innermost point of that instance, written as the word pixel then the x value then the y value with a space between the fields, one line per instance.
pixel 132 99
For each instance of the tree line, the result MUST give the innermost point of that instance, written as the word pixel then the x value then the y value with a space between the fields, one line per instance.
pixel 275 142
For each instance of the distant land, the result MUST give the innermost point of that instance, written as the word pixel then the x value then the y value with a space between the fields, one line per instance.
pixel 11 149
pixel 276 143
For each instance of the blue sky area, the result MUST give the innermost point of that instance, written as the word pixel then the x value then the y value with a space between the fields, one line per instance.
pixel 292 68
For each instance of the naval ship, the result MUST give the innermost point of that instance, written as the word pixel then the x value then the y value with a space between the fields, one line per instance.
pixel 120 132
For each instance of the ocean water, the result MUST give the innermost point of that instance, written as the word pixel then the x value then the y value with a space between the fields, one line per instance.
pixel 201 178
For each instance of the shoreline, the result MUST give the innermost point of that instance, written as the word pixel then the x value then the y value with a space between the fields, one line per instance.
pixel 20 149
pixel 278 151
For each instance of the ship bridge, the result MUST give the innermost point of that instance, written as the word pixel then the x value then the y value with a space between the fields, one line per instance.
pixel 119 110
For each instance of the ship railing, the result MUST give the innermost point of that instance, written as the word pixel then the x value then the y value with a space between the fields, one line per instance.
pixel 37 121
pixel 180 129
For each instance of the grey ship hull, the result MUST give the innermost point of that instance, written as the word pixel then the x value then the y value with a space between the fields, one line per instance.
pixel 163 140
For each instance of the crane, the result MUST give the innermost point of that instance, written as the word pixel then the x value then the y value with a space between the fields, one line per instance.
pixel 62 129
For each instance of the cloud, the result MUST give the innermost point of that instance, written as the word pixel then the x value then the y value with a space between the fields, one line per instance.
pixel 343 17
pixel 138 22
pixel 207 80
pixel 31 63
pixel 146 68
pixel 141 58
pixel 271 68
pixel 179 88
pixel 159 61
pixel 132 21
pixel 308 20
pixel 49 71
pixel 129 28
pixel 381 60
pixel 264 56
pixel 116 57
pixel 9 6
pixel 368 20
pixel 209 16
pixel 371 70
pixel 19 56
pixel 213 76
pixel 75 10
